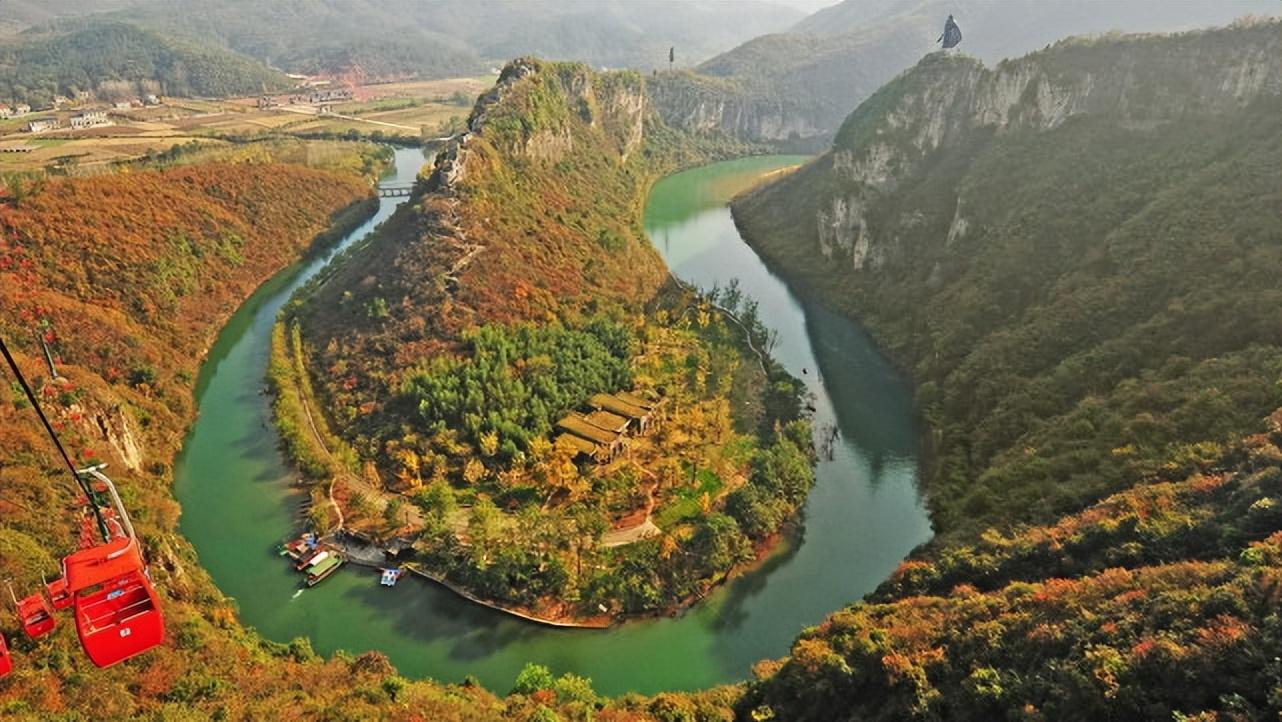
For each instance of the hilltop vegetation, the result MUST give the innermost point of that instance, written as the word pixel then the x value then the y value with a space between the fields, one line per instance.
pixel 117 61
pixel 1085 294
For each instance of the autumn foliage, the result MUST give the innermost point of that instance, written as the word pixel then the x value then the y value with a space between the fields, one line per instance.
pixel 1161 599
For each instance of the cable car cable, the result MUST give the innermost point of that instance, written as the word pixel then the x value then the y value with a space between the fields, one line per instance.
pixel 80 481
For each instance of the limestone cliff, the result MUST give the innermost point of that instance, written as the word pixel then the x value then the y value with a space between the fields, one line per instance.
pixel 947 101
pixel 706 104
pixel 794 89
pixel 1075 257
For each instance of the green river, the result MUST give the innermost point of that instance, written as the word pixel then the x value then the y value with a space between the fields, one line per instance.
pixel 863 516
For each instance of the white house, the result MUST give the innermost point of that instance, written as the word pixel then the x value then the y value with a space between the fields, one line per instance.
pixel 89 119
pixel 40 125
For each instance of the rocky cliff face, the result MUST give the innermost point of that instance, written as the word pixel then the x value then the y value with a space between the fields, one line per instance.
pixel 529 113
pixel 703 105
pixel 802 84
pixel 1071 254
pixel 946 99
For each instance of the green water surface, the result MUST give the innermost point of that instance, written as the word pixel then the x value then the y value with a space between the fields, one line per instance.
pixel 862 517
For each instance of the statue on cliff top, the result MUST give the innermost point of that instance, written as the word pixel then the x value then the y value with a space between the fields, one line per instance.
pixel 951 35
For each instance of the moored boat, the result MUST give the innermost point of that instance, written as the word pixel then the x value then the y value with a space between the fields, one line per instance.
pixel 317 573
pixel 299 548
pixel 312 558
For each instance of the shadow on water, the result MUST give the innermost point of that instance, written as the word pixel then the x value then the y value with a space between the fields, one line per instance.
pixel 862 517
pixel 733 612
pixel 860 401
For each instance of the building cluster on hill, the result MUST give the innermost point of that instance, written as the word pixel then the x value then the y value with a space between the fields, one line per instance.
pixel 315 96
pixel 601 432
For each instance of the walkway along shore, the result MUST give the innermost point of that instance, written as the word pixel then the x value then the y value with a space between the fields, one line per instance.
pixel 370 555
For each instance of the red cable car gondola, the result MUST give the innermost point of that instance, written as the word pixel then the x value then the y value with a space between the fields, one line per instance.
pixel 116 609
pixel 36 615
pixel 58 594
pixel 6 662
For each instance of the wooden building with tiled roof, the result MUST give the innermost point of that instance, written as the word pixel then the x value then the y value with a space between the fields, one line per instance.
pixel 645 417
pixel 606 444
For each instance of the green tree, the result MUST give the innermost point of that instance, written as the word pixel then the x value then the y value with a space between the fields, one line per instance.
pixel 532 678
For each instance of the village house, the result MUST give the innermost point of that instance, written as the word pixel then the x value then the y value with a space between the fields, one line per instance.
pixel 330 96
pixel 601 433
pixel 41 125
pixel 590 440
pixel 645 413
pixel 89 119
pixel 5 111
pixel 21 109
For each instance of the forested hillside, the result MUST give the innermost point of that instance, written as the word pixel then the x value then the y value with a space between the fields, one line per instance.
pixel 127 277
pixel 1078 267
pixel 1160 602
pixel 507 243
pixel 797 85
pixel 118 61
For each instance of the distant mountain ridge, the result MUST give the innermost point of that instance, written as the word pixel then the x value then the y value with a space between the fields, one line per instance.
pixel 801 84
pixel 35 68
pixel 380 39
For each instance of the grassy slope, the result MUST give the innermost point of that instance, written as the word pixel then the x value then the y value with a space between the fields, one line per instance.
pixel 1106 321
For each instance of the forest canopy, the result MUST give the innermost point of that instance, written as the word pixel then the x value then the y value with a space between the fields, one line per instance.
pixel 515 381
pixel 112 59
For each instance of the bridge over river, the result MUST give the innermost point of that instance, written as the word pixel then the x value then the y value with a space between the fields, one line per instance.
pixel 390 190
